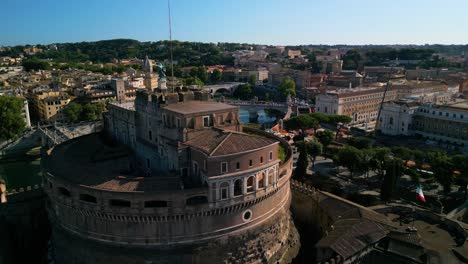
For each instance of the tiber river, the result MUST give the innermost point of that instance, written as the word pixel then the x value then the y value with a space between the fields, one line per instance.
pixel 263 117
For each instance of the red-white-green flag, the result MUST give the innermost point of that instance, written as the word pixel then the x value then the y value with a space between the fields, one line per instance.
pixel 420 194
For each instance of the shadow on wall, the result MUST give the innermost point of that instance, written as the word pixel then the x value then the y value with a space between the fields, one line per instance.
pixel 24 228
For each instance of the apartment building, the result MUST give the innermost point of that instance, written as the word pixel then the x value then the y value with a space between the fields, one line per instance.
pixel 49 105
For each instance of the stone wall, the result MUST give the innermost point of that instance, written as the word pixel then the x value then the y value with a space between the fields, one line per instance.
pixel 273 241
pixel 24 228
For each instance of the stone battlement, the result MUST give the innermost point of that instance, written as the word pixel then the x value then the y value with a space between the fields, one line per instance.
pixel 23 190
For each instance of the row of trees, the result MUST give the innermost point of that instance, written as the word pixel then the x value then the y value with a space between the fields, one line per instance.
pixel 187 53
pixel 311 149
pixel 313 120
pixel 390 164
pixel 88 112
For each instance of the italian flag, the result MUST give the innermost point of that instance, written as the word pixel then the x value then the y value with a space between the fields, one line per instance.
pixel 420 194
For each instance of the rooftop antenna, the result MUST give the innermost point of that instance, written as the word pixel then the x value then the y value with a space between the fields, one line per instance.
pixel 170 43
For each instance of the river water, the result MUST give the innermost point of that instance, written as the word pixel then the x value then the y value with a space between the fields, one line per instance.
pixel 262 116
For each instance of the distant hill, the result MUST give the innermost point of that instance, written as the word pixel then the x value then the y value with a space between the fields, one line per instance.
pixel 198 53
pixel 185 53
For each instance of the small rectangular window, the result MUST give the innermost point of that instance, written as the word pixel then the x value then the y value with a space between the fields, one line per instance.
pixel 119 203
pixel 250 163
pixel 237 165
pixel 261 159
pixel 224 167
pixel 271 155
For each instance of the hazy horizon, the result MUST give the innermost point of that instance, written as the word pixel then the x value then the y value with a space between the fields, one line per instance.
pixel 264 22
pixel 247 43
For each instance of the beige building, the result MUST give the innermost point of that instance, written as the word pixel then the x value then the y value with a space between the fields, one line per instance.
pixel 294 53
pixel 362 104
pixel 446 123
pixel 49 105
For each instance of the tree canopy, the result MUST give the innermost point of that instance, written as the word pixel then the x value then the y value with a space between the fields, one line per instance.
pixel 301 122
pixel 89 112
pixel 11 120
pixel 287 87
pixel 244 92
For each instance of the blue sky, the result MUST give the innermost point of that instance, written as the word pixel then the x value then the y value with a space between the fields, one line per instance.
pixel 278 22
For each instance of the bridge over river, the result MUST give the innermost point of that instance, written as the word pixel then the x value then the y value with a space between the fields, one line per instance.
pixel 254 107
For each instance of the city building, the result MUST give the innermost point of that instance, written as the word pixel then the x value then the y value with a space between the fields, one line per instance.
pixel 49 106
pixel 293 53
pixel 396 117
pixel 174 178
pixel 446 123
pixel 383 73
pixel 346 79
pixel 362 104
pixel 150 78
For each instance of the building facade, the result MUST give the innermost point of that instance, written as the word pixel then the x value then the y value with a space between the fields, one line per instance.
pixel 361 104
pixel 396 117
pixel 49 106
pixel 445 123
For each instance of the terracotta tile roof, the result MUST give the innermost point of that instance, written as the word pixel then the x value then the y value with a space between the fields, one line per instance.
pixel 193 107
pixel 355 227
pixel 215 142
pixel 207 140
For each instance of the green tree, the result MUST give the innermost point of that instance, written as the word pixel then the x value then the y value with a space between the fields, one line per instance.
pixel 252 80
pixel 325 137
pixel 216 76
pixel 301 122
pixel 244 92
pixel 378 162
pixel 73 112
pixel 202 74
pixel 443 168
pixel 351 158
pixel 360 142
pixel 419 158
pixel 193 81
pixel 460 163
pixel 194 72
pixel 11 120
pixel 403 153
pixel 302 162
pixel 287 87
pixel 314 149
pixel 89 112
pixel 35 64
pixel 393 171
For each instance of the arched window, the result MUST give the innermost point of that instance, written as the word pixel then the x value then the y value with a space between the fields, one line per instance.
pixel 261 180
pixel 250 184
pixel 224 191
pixel 238 187
pixel 271 176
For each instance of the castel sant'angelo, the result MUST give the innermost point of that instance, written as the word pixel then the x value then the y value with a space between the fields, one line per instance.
pixel 173 178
